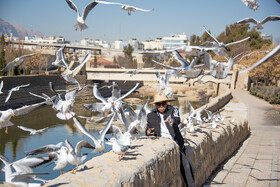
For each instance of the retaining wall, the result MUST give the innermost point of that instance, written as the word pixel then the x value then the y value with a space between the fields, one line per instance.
pixel 155 161
pixel 38 84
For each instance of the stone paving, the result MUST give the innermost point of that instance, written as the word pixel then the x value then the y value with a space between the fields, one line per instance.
pixel 257 162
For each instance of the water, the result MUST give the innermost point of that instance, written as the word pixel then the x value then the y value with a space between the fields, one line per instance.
pixel 16 142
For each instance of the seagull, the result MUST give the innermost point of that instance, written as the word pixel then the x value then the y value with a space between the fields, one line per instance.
pixel 6 115
pixel 135 71
pixel 219 70
pixel 23 174
pixel 113 103
pixel 122 138
pixel 258 24
pixel 32 131
pixel 98 141
pixel 13 90
pixel 16 62
pixel 48 100
pixel 252 4
pixel 81 18
pixel 221 45
pixel 64 107
pixel 1 87
pixel 118 148
pixel 58 153
pixel 60 59
pixel 69 75
pixel 75 156
pixel 163 82
pixel 124 6
pixel 274 52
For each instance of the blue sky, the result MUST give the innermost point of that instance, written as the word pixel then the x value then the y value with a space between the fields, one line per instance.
pixel 110 22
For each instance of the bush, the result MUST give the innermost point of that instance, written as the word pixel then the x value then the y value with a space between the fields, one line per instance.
pixel 270 94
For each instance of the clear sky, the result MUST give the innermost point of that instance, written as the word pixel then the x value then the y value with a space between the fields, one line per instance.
pixel 110 22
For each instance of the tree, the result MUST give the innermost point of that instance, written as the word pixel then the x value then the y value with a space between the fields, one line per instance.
pixel 2 54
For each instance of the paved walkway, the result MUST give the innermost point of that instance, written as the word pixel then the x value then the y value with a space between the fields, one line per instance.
pixel 257 162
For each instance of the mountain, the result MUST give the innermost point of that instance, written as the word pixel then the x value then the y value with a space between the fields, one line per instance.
pixel 18 31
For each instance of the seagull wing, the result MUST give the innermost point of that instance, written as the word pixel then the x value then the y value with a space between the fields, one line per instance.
pixel 1 86
pixel 125 95
pixel 95 107
pixel 84 131
pixel 32 162
pixel 191 109
pixel 247 20
pixel 25 128
pixel 88 8
pixel 72 5
pixel 71 95
pixel 28 55
pixel 82 63
pixel 81 144
pixel 274 52
pixel 270 18
pixel 180 59
pixel 27 108
pixel 5 160
pixel 9 95
pixel 104 131
pixel 9 66
pixel 164 65
pixel 239 41
pixel 98 96
pixel 212 36
pixel 46 149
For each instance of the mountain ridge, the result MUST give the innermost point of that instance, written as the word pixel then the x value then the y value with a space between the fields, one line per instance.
pixel 16 30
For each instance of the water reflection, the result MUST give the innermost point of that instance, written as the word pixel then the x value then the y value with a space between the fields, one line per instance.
pixel 14 144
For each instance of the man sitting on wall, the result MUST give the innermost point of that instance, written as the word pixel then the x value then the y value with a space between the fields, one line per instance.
pixel 163 122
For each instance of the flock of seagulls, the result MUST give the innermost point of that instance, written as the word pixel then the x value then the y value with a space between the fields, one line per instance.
pixel 21 172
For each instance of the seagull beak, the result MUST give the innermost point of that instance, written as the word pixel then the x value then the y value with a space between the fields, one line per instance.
pixel 13 115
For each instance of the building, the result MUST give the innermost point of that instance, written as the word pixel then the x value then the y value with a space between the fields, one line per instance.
pixel 46 40
pixel 174 41
pixel 95 43
pixel 153 44
pixel 103 63
pixel 120 44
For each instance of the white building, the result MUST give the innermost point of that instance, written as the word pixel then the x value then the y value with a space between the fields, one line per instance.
pixel 94 43
pixel 175 41
pixel 43 40
pixel 119 44
pixel 153 44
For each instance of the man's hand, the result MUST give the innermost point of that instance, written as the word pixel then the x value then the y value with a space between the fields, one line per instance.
pixel 169 120
pixel 150 132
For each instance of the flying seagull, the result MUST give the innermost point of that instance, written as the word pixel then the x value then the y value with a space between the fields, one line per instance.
pixel 6 115
pixel 124 6
pixel 98 141
pixel 221 45
pixel 20 172
pixel 13 90
pixel 258 24
pixel 252 4
pixel 60 59
pixel 69 75
pixel 16 62
pixel 32 131
pixel 81 18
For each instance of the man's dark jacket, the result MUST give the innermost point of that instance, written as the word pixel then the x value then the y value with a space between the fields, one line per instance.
pixel 154 120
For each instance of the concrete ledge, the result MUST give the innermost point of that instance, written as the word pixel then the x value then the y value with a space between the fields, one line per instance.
pixel 155 162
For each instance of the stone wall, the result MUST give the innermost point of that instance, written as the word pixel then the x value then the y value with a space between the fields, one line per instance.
pixel 155 161
pixel 38 84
